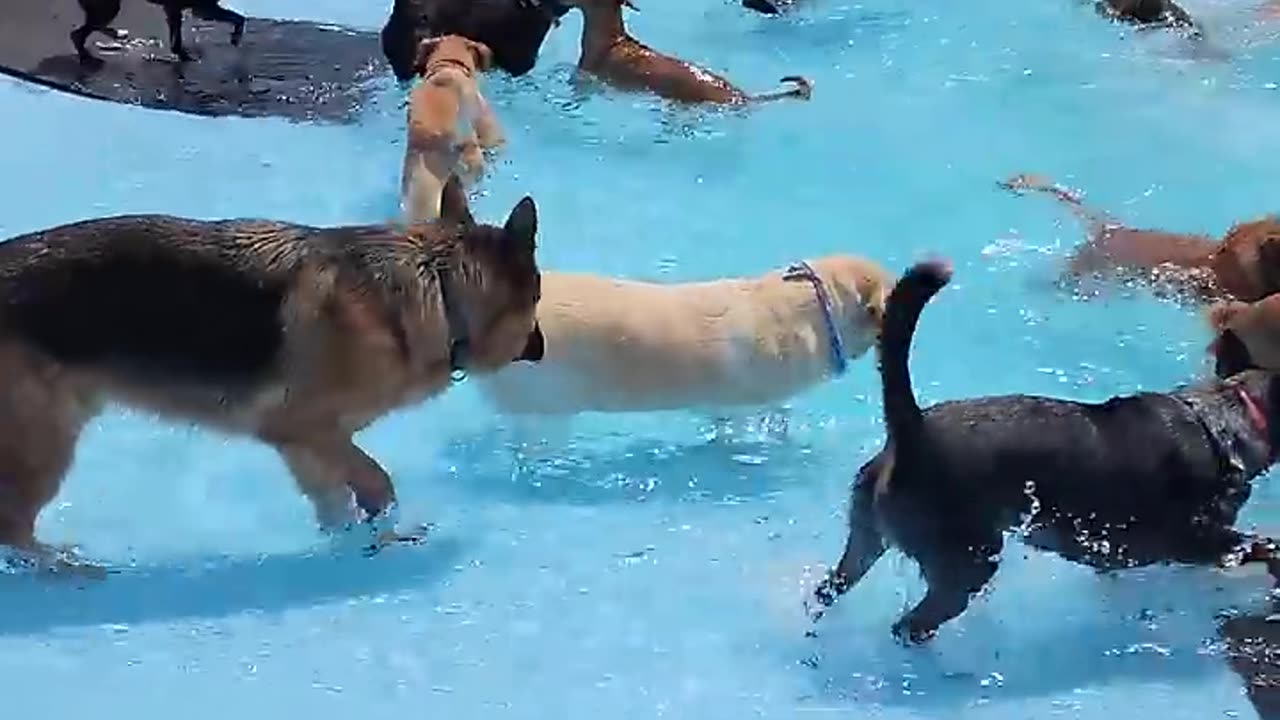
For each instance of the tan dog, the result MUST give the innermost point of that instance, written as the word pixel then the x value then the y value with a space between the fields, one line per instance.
pixel 1246 335
pixel 620 345
pixel 611 54
pixel 449 125
pixel 298 336
pixel 1244 265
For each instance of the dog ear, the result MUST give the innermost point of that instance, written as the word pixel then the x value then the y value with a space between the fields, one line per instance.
pixel 425 48
pixel 521 228
pixel 453 203
pixel 482 54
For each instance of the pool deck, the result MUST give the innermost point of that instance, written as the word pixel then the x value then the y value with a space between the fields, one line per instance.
pixel 298 70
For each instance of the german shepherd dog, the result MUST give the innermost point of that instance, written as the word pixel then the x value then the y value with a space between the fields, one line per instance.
pixel 299 336
pixel 99 14
pixel 1139 480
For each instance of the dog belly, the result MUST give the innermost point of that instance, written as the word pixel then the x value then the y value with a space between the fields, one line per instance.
pixel 557 387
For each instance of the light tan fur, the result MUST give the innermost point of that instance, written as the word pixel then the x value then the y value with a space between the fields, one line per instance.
pixel 354 349
pixel 1256 324
pixel 449 124
pixel 619 345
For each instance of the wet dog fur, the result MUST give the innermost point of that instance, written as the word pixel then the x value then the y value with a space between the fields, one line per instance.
pixel 626 346
pixel 1246 335
pixel 513 29
pixel 298 336
pixel 1137 480
pixel 449 123
pixel 611 54
pixel 99 14
pixel 1243 265
pixel 1147 13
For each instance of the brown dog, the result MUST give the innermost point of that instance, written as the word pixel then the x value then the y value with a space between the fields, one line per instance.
pixel 1244 265
pixel 298 336
pixel 449 123
pixel 611 54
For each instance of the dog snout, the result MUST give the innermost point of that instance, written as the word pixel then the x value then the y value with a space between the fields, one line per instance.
pixel 535 347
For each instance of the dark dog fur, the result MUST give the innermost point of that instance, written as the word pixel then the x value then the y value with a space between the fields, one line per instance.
pixel 1155 13
pixel 1145 479
pixel 99 14
pixel 513 29
pixel 298 336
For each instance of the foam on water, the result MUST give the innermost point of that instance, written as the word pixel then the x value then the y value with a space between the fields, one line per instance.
pixel 630 567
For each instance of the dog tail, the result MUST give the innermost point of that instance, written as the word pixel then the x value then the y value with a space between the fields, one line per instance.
pixel 1070 199
pixel 803 89
pixel 902 311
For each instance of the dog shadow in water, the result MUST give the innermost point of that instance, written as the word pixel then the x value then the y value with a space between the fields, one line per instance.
pixel 1158 625
pixel 727 463
pixel 217 588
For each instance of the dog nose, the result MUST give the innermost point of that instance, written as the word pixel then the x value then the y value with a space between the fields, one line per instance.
pixel 535 347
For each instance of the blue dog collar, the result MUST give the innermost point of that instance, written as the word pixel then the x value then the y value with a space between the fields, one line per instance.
pixel 804 271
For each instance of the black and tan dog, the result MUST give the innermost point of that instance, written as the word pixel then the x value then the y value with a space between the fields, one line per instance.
pixel 99 14
pixel 298 336
pixel 1139 480
pixel 513 29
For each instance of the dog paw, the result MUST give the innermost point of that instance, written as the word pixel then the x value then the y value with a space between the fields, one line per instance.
pixel 386 538
pixel 910 634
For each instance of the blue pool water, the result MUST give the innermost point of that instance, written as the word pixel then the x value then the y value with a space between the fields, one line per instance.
pixel 628 567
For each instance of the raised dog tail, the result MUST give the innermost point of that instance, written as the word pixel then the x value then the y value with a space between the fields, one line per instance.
pixel 803 89
pixel 902 312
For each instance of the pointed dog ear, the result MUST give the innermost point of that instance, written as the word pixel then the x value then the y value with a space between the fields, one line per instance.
pixel 425 48
pixel 521 228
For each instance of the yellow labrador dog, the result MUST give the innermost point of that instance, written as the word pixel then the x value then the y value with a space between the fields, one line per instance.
pixel 621 346
pixel 450 123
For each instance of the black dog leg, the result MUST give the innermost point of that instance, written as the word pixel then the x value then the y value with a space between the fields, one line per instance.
pixel 953 581
pixel 864 546
pixel 217 13
pixel 98 15
pixel 173 16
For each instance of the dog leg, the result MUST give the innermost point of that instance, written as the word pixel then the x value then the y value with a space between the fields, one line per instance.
pixel 216 13
pixel 953 580
pixel 41 421
pixel 487 131
pixel 98 15
pixel 471 159
pixel 173 17
pixel 864 546
pixel 332 472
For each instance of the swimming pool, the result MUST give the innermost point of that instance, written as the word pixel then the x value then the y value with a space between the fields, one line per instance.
pixel 630 567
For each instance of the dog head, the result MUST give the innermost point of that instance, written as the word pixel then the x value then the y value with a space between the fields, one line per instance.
pixel 498 284
pixel 1246 336
pixel 857 288
pixel 475 56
